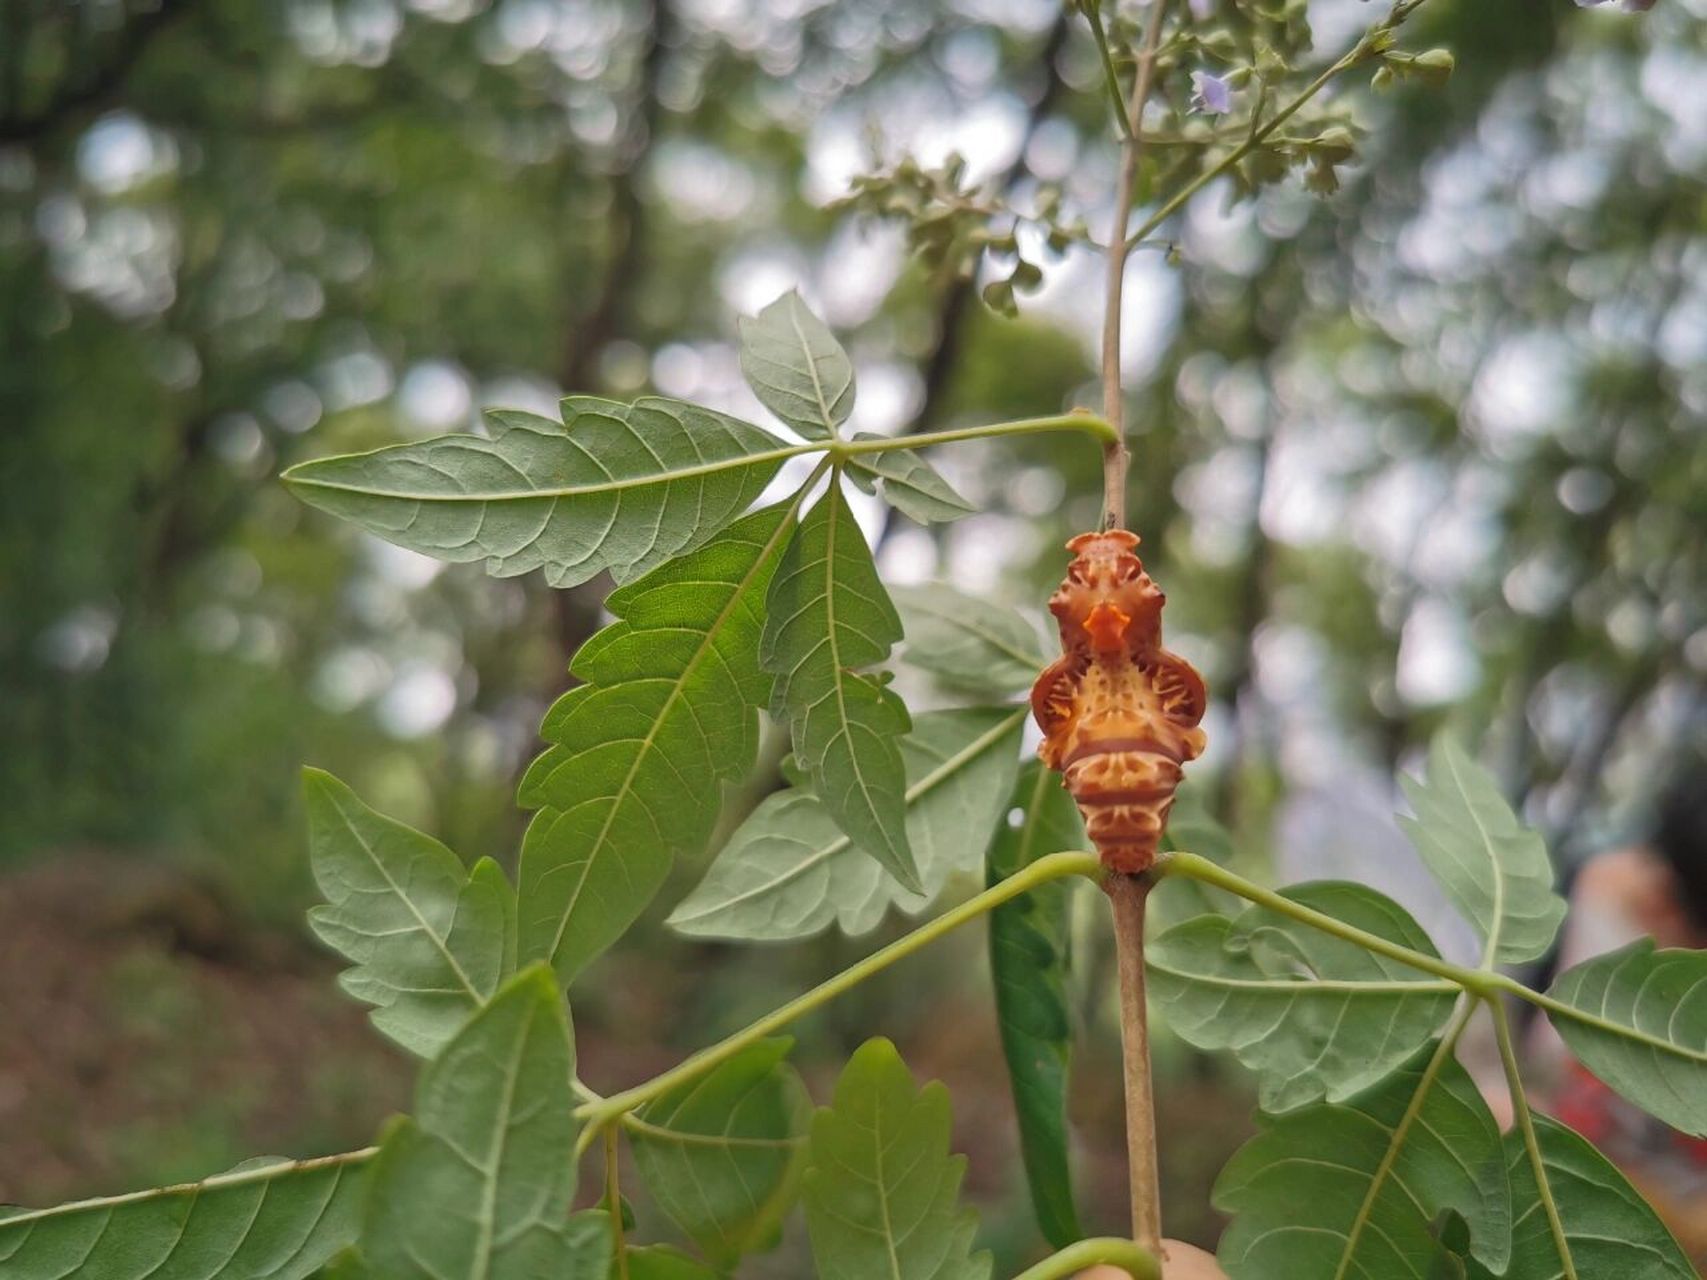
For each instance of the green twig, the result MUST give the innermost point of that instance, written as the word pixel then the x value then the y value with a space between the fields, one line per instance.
pixel 1442 1054
pixel 1526 1125
pixel 596 1116
pixel 1093 13
pixel 1135 1260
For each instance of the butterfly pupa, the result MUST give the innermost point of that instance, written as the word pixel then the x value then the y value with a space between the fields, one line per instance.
pixel 1119 713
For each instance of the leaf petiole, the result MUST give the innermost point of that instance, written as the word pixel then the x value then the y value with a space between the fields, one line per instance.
pixel 596 1116
pixel 1077 420
pixel 1132 1258
pixel 1531 1144
pixel 1483 983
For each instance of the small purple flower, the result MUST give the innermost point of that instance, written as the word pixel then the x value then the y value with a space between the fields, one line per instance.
pixel 1210 94
pixel 1202 10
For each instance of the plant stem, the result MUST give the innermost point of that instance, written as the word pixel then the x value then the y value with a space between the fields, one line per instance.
pixel 1135 1260
pixel 1093 13
pixel 1128 895
pixel 597 1115
pixel 1526 1125
pixel 613 1202
pixel 1115 457
pixel 1359 52
pixel 1481 982
pixel 1075 421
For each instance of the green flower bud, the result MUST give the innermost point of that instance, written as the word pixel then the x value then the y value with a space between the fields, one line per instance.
pixel 1434 67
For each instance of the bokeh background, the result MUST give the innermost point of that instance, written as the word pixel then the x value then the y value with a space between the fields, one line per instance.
pixel 1431 451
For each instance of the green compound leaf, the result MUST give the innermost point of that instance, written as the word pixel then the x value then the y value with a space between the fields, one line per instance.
pixel 477 1184
pixel 633 776
pixel 267 1218
pixel 1313 1015
pixel 882 1191
pixel 967 642
pixel 1494 869
pixel 796 367
pixel 429 942
pixel 788 871
pixel 1028 966
pixel 720 1155
pixel 827 616
pixel 1352 1190
pixel 1643 1028
pixel 908 483
pixel 1610 1231
pixel 613 486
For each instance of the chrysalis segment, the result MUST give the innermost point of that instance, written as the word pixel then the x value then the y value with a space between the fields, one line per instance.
pixel 1119 713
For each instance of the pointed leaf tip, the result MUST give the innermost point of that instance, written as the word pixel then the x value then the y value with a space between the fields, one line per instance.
pixel 796 367
pixel 827 618
pixel 428 941
pixel 1494 869
pixel 883 1145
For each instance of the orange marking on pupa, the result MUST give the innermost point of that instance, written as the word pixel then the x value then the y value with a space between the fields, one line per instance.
pixel 1119 713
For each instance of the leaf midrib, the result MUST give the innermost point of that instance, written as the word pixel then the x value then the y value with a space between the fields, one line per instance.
pixel 811 367
pixel 265 1174
pixel 487 1222
pixel 1606 1026
pixel 1496 922
pixel 442 944
pixel 705 645
pixel 834 496
pixel 1396 1141
pixel 889 1241
pixel 1306 986
pixel 294 476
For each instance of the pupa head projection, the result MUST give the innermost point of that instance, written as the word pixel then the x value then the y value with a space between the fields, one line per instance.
pixel 1107 603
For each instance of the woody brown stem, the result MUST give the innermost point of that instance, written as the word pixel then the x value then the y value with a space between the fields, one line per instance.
pixel 1115 458
pixel 1127 895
